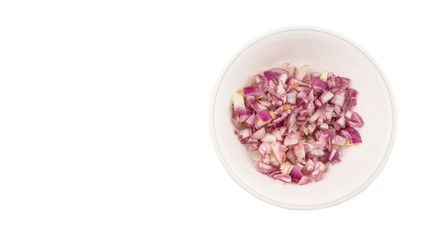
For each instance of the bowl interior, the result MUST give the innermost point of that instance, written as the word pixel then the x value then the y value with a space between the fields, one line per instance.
pixel 323 51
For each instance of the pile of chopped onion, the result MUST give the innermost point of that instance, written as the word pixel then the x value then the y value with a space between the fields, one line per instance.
pixel 297 121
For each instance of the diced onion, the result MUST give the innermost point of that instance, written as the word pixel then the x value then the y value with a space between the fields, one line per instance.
pixel 297 121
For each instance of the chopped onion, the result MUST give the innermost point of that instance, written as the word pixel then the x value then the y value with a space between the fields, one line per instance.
pixel 238 102
pixel 291 97
pixel 264 147
pixel 253 90
pixel 304 180
pixel 264 115
pixel 265 168
pixel 292 139
pixel 355 137
pixel 355 120
pixel 333 154
pixel 325 97
pixel 269 138
pixel 296 174
pixel 282 177
pixel 303 71
pixel 338 140
pixel 261 133
pixel 299 151
pixel 244 133
pixel 297 121
pixel 279 151
pixel 339 98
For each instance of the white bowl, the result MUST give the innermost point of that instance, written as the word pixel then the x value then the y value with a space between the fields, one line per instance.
pixel 323 50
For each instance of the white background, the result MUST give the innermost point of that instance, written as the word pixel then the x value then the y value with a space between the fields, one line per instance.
pixel 104 120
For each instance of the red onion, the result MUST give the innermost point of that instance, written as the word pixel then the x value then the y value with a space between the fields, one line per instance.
pixel 297 120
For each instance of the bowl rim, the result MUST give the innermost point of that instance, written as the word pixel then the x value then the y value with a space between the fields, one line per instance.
pixel 267 199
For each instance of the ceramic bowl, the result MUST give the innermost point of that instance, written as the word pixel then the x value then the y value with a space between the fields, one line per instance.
pixel 323 50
